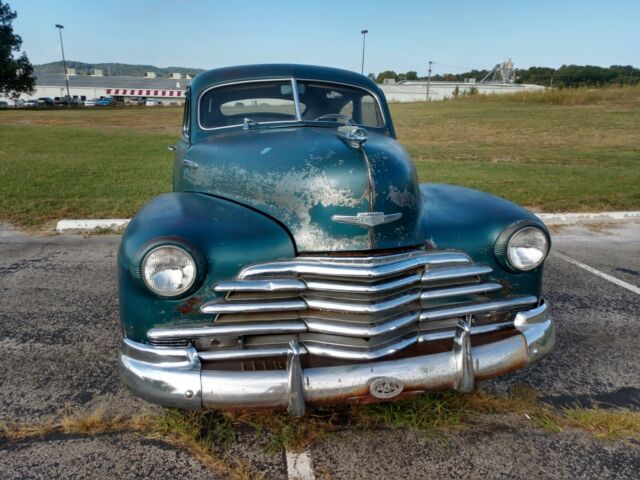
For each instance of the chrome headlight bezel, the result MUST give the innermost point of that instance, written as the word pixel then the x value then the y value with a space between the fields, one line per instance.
pixel 181 251
pixel 503 245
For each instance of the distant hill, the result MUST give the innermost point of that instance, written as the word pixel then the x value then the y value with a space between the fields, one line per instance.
pixel 115 69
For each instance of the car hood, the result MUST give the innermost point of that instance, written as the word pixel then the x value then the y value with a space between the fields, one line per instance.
pixel 303 176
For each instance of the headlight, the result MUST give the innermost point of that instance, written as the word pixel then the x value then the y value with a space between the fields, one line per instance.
pixel 527 248
pixel 168 271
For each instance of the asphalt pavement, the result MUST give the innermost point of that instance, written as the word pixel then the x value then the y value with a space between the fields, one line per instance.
pixel 59 333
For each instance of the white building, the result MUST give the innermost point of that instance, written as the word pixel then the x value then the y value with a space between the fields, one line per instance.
pixel 417 91
pixel 85 87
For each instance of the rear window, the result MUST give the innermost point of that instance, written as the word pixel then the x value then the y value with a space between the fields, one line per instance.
pixel 259 102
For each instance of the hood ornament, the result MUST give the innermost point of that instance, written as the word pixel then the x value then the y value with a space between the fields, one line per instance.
pixel 367 219
pixel 352 135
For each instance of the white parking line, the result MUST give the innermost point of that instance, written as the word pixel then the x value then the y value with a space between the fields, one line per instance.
pixel 299 466
pixel 600 274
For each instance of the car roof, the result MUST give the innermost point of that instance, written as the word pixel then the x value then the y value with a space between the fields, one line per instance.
pixel 279 70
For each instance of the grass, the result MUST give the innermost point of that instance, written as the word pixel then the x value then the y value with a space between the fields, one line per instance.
pixel 193 432
pixel 205 434
pixel 561 150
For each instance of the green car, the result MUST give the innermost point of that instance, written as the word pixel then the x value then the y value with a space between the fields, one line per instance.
pixel 299 262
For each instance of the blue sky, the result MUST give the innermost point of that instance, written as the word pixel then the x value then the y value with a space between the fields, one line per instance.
pixel 403 35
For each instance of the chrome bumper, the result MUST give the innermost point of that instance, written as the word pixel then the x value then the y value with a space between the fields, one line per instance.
pixel 173 377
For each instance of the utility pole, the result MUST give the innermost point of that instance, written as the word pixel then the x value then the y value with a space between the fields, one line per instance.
pixel 64 62
pixel 364 36
pixel 429 81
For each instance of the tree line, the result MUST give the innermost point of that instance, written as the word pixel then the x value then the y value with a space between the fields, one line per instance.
pixel 565 76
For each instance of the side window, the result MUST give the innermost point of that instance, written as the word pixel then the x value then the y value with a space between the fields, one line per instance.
pixel 369 111
pixel 186 116
pixel 347 109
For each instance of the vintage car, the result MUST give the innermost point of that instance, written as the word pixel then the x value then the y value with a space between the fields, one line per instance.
pixel 298 261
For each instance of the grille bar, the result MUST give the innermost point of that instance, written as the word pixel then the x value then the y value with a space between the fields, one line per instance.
pixel 274 285
pixel 478 307
pixel 459 291
pixel 384 306
pixel 332 267
pixel 363 288
pixel 320 325
pixel 452 273
pixel 255 328
pixel 253 307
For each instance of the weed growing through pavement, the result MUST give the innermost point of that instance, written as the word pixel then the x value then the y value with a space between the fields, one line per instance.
pixel 200 433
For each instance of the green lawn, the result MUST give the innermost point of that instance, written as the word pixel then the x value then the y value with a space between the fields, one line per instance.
pixel 558 151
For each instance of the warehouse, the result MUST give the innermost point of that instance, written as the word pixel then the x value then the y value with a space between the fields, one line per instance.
pixel 84 87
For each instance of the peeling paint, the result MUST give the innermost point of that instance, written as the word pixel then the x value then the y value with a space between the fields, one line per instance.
pixel 402 198
pixel 290 196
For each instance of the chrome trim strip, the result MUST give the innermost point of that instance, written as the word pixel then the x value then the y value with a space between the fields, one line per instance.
pixel 248 328
pixel 363 288
pixel 296 98
pixel 218 307
pixel 338 306
pixel 463 290
pixel 336 269
pixel 249 353
pixel 318 325
pixel 273 285
pixel 370 354
pixel 478 307
pixel 452 273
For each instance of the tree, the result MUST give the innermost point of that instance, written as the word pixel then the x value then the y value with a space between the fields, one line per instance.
pixel 16 74
pixel 412 75
pixel 386 74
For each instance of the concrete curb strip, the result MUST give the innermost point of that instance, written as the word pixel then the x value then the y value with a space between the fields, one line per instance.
pixel 571 218
pixel 70 226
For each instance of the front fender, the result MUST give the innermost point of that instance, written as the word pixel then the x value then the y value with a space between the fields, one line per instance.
pixel 470 220
pixel 223 235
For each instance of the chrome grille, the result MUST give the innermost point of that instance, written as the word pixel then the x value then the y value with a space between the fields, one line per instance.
pixel 349 307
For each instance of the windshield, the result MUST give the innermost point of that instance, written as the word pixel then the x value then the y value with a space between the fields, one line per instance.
pixel 338 103
pixel 259 102
pixel 254 103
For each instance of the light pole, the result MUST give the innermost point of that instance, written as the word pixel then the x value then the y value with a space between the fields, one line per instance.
pixel 64 62
pixel 364 36
pixel 429 81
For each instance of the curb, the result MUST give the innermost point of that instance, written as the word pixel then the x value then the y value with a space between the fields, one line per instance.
pixel 74 226
pixel 577 218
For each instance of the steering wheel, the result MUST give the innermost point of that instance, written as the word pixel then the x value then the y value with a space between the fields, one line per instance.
pixel 335 116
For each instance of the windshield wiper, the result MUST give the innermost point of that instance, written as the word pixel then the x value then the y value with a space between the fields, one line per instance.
pixel 247 123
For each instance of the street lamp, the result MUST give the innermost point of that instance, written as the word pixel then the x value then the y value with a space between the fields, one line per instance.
pixel 364 35
pixel 64 62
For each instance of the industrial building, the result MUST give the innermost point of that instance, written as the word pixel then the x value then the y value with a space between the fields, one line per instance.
pixel 84 87
pixel 499 80
pixel 431 91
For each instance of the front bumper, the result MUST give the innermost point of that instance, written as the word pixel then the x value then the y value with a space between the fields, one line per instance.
pixel 174 377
